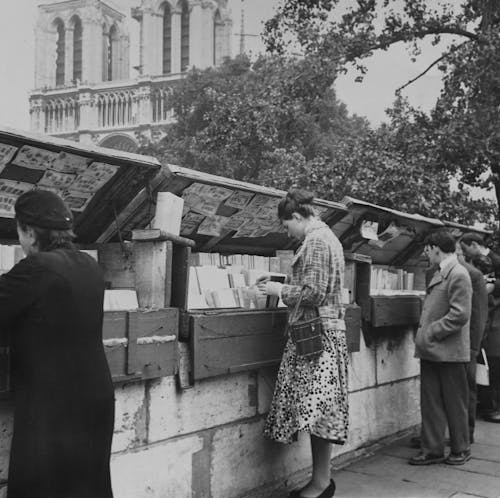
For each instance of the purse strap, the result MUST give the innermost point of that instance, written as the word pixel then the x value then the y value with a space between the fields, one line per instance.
pixel 293 315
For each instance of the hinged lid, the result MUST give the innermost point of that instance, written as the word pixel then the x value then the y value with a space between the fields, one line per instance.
pixel 95 182
pixel 220 214
pixel 389 236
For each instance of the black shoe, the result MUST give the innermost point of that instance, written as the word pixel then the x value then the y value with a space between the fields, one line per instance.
pixel 493 417
pixel 426 459
pixel 327 493
pixel 458 458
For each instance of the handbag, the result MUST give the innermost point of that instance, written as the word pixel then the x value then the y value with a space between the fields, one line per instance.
pixel 482 371
pixel 305 334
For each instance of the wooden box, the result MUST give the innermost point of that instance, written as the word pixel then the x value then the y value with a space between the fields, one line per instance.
pixel 353 327
pixel 224 342
pixel 227 342
pixel 141 344
pixel 115 339
pixel 390 311
pixel 153 342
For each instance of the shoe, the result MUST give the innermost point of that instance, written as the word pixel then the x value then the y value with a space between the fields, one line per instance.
pixel 458 458
pixel 493 417
pixel 327 493
pixel 426 459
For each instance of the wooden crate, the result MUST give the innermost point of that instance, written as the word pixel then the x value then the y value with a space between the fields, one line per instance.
pixel 224 342
pixel 233 341
pixel 141 344
pixel 153 343
pixel 392 311
pixel 353 327
pixel 115 339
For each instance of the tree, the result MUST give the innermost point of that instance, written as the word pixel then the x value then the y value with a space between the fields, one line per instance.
pixel 277 122
pixel 231 120
pixel 464 127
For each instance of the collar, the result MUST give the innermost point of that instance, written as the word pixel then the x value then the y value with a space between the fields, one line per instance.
pixel 448 262
pixel 315 225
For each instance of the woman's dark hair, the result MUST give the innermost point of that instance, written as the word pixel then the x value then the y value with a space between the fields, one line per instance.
pixel 296 201
pixel 442 239
pixel 48 239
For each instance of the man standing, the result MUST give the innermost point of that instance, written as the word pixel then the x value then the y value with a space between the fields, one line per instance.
pixel 473 245
pixel 443 346
pixel 478 317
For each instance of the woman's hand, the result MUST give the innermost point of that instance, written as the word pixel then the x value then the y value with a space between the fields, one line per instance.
pixel 270 288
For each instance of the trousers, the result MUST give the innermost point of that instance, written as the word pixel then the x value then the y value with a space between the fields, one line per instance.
pixel 444 401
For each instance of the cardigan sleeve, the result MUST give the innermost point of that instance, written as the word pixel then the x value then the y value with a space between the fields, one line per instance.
pixel 315 275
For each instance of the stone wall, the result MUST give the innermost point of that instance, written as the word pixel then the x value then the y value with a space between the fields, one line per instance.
pixel 207 441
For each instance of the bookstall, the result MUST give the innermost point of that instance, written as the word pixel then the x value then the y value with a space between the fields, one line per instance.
pixel 393 287
pixel 237 237
pixel 140 328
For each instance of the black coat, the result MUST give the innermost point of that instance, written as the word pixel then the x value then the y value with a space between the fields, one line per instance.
pixel 492 339
pixel 479 308
pixel 52 305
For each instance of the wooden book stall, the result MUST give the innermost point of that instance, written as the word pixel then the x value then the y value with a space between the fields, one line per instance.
pixel 195 315
pixel 98 183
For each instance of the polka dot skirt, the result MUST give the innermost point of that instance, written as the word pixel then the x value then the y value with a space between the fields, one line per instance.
pixel 311 395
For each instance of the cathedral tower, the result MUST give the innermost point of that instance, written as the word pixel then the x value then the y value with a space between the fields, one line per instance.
pixel 83 89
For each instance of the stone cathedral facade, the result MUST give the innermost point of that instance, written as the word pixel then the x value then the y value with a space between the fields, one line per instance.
pixel 85 87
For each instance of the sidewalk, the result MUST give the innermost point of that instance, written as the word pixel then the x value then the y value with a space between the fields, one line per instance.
pixel 386 473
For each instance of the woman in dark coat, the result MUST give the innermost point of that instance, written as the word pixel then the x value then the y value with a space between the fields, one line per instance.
pixel 51 303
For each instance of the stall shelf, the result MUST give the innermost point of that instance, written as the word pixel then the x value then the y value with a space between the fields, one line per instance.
pixel 97 184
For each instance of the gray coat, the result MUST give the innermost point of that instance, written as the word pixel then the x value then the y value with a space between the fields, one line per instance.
pixel 443 332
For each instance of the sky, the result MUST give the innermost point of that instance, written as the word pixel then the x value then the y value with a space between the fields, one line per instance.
pixel 387 71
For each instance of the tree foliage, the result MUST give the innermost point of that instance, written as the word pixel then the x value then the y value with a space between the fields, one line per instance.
pixel 463 130
pixel 277 122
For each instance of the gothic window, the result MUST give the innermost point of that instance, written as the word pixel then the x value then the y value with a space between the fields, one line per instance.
pixel 112 52
pixel 167 40
pixel 77 50
pixel 60 52
pixel 111 56
pixel 217 39
pixel 184 35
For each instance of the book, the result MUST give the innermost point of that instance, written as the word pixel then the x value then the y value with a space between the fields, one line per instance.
pixel 273 301
pixel 120 300
pixel 168 214
pixel 224 298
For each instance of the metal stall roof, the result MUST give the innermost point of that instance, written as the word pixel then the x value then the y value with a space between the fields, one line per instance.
pixel 95 182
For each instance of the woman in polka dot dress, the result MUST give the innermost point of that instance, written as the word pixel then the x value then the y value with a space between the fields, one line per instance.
pixel 311 395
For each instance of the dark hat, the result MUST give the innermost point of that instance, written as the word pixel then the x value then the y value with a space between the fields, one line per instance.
pixel 44 209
